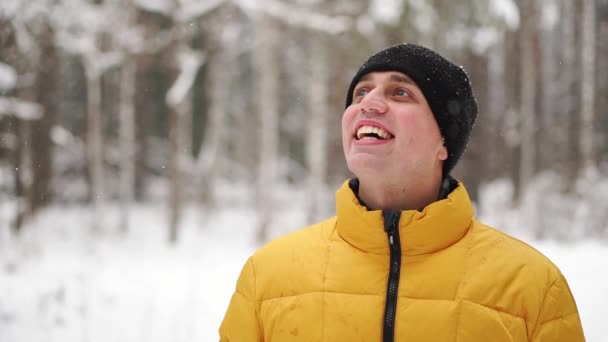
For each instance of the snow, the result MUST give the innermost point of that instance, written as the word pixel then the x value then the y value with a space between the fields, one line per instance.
pixel 183 11
pixel 61 136
pixel 189 61
pixel 298 16
pixel 507 10
pixel 23 110
pixel 196 9
pixel 569 216
pixel 8 77
pixel 426 16
pixel 365 25
pixel 386 11
pixel 292 14
pixel 8 8
pixel 484 38
pixel 584 265
pixel 156 6
pixel 550 15
pixel 61 282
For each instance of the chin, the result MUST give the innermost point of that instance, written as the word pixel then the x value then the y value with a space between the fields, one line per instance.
pixel 362 166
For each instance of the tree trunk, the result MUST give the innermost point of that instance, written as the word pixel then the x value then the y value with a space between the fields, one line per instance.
pixel 95 155
pixel 266 59
pixel 178 112
pixel 208 160
pixel 127 135
pixel 528 95
pixel 510 121
pixel 602 83
pixel 497 108
pixel 471 168
pixel 143 104
pixel 317 128
pixel 174 174
pixel 180 121
pixel 587 86
pixel 41 144
pixel 567 98
pixel 550 107
pixel 127 141
pixel 528 201
pixel 19 168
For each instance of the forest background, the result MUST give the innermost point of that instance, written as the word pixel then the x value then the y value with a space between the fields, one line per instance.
pixel 108 100
pixel 216 106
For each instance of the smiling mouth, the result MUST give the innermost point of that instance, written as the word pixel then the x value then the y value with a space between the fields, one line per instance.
pixel 372 133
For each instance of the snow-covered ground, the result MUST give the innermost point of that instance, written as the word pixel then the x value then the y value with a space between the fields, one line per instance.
pixel 60 282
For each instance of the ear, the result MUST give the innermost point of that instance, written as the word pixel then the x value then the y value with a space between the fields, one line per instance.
pixel 442 154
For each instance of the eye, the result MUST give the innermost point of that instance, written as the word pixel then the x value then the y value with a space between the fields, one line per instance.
pixel 361 92
pixel 401 92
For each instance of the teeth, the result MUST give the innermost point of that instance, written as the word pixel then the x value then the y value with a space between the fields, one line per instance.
pixel 372 130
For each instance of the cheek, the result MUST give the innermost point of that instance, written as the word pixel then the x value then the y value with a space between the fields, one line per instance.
pixel 411 127
pixel 419 131
pixel 347 121
pixel 420 124
pixel 407 137
pixel 349 114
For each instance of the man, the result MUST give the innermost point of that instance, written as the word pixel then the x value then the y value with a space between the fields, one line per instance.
pixel 404 259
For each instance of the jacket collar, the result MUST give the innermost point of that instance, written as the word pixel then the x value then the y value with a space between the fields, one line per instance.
pixel 435 227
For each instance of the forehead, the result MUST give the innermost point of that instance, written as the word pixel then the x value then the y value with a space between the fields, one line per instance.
pixel 387 76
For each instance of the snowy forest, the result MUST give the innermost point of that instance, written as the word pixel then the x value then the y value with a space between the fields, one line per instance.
pixel 152 137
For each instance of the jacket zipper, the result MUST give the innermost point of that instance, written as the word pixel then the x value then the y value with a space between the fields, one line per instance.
pixel 391 226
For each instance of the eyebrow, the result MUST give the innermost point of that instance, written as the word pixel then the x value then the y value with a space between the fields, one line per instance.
pixel 401 78
pixel 394 77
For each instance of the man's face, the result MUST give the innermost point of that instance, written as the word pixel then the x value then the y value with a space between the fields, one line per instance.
pixel 389 129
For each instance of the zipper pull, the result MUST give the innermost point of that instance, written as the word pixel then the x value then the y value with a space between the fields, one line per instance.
pixel 390 224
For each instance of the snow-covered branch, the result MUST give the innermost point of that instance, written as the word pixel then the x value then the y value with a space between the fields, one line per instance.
pixel 291 14
pixel 23 110
pixel 298 16
pixel 196 9
pixel 8 77
pixel 507 11
pixel 156 6
pixel 189 61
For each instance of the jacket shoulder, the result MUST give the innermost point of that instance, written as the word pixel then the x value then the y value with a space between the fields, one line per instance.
pixel 293 263
pixel 507 274
pixel 298 240
pixel 507 250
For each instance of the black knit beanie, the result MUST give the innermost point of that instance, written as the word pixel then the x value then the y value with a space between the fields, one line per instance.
pixel 445 86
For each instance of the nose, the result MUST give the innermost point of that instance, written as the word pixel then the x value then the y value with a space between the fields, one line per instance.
pixel 373 103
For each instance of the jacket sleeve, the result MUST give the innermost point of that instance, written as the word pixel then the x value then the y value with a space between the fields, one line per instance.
pixel 558 319
pixel 241 320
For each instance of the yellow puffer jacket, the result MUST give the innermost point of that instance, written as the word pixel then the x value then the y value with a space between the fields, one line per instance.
pixel 459 280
